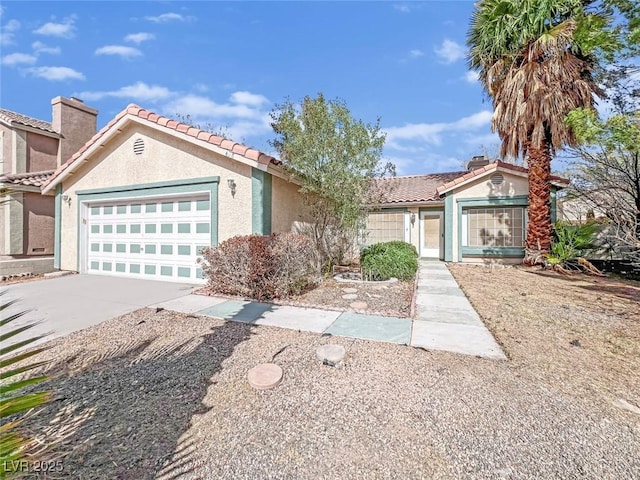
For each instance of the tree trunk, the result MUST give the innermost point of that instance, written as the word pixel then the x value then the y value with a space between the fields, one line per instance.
pixel 539 228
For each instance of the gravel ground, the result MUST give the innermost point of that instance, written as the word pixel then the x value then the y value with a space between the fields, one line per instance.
pixel 161 395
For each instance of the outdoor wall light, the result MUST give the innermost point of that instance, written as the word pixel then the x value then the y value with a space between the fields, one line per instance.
pixel 232 186
pixel 413 218
pixel 66 199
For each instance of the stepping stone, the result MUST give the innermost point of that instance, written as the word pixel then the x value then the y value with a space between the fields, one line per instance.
pixel 358 305
pixel 350 296
pixel 331 354
pixel 265 376
pixel 350 290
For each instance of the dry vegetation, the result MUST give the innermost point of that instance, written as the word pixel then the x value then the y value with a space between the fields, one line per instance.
pixel 578 333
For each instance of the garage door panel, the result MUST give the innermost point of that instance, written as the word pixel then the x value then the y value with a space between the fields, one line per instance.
pixel 157 238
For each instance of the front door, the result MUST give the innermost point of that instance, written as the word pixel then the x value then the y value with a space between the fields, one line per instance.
pixel 431 235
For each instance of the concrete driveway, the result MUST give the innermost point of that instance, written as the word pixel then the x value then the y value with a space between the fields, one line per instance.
pixel 71 303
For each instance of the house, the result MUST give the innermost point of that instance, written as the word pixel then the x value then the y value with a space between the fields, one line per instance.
pixel 30 151
pixel 468 216
pixel 146 193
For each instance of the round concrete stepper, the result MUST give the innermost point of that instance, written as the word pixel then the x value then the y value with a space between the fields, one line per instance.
pixel 349 296
pixel 350 290
pixel 265 376
pixel 331 353
pixel 358 305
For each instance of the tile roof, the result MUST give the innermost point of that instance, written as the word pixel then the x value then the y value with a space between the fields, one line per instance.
pixel 414 188
pixel 29 179
pixel 487 168
pixel 13 117
pixel 180 129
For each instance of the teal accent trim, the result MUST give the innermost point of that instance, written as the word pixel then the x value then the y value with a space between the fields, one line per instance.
pixel 261 198
pixel 554 206
pixel 57 230
pixel 493 201
pixel 148 186
pixel 493 251
pixel 448 228
pixel 519 200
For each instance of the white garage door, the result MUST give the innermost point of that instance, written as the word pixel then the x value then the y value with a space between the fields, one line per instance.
pixel 149 238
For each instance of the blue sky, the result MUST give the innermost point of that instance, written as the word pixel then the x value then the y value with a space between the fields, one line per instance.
pixel 228 63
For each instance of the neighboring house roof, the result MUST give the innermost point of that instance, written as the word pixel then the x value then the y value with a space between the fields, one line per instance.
pixel 414 188
pixel 12 118
pixel 492 168
pixel 133 112
pixel 29 179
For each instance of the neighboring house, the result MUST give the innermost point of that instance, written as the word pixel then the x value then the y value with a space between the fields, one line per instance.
pixel 467 216
pixel 30 151
pixel 145 194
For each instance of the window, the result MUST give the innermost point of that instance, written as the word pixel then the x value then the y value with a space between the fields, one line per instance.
pixel 494 227
pixel 384 227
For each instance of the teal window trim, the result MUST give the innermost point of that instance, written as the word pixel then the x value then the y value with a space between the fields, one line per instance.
pixel 448 227
pixel 517 201
pixel 517 252
pixel 57 231
pixel 194 185
pixel 261 201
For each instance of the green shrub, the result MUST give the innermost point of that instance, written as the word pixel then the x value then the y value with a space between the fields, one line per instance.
pixel 570 243
pixel 261 267
pixel 386 260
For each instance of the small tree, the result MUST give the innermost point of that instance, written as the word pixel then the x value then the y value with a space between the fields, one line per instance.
pixel 606 174
pixel 337 158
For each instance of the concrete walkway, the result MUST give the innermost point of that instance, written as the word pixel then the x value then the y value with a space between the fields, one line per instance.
pixel 445 319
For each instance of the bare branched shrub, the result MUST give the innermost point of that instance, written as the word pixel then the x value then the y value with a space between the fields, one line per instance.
pixel 261 267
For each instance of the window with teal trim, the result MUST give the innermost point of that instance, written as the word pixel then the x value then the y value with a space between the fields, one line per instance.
pixel 493 227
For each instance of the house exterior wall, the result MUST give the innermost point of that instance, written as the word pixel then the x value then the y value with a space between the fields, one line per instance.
pixel 288 208
pixel 38 224
pixel 482 190
pixel 42 152
pixel 75 121
pixel 165 159
pixel 6 150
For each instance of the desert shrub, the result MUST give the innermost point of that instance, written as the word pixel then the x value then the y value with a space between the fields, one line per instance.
pixel 569 245
pixel 261 267
pixel 383 261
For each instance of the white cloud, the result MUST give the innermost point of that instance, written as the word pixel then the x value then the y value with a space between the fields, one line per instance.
pixel 7 32
pixel 56 73
pixel 139 91
pixel 39 47
pixel 450 51
pixel 169 17
pixel 120 50
pixel 140 37
pixel 415 53
pixel 432 133
pixel 198 106
pixel 248 98
pixel 471 76
pixel 65 29
pixel 201 87
pixel 14 59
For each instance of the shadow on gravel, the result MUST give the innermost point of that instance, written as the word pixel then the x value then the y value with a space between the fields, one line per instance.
pixel 123 414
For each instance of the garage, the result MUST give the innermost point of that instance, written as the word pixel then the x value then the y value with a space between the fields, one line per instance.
pixel 153 238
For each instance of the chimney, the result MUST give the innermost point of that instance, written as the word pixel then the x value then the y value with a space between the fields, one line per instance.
pixel 75 122
pixel 477 161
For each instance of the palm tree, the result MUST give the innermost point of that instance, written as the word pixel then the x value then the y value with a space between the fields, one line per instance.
pixel 536 59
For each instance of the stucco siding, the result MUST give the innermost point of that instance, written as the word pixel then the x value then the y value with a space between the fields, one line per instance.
pixel 6 152
pixel 287 206
pixel 165 158
pixel 513 186
pixel 38 224
pixel 42 152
